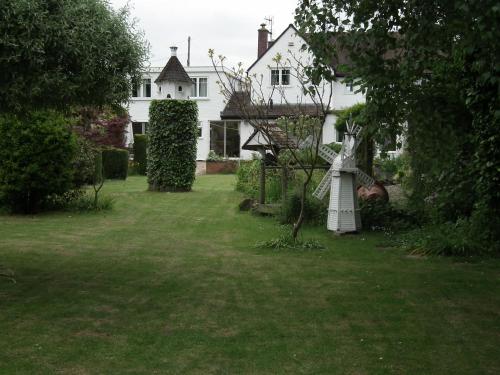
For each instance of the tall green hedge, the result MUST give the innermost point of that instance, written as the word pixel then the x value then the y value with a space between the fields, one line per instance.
pixel 140 153
pixel 172 145
pixel 115 163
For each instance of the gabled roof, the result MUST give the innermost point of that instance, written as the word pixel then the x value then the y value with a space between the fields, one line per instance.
pixel 341 60
pixel 174 72
pixel 271 44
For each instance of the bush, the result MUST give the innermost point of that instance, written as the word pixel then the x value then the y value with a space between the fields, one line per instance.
pixel 115 163
pixel 315 210
pixel 140 153
pixel 376 214
pixel 172 145
pixel 36 153
pixel 84 162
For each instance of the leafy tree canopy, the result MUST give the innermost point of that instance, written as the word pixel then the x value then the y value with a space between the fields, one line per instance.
pixel 55 53
pixel 429 67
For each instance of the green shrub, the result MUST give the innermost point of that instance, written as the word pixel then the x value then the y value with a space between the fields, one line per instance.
pixel 36 154
pixel 84 162
pixel 376 214
pixel 115 163
pixel 315 210
pixel 248 181
pixel 140 153
pixel 172 145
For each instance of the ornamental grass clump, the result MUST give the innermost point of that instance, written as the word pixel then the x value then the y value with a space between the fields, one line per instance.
pixel 171 153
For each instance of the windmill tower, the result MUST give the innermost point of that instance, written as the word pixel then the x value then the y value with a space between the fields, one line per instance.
pixel 341 178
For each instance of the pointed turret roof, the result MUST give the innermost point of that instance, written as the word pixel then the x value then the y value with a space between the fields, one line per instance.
pixel 173 71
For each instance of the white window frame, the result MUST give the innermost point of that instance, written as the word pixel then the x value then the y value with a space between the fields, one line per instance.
pixel 196 82
pixel 280 76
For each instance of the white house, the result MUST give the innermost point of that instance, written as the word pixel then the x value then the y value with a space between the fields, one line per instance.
pixel 221 127
pixel 198 83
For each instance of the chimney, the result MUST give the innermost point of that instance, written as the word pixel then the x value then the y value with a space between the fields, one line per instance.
pixel 173 50
pixel 263 40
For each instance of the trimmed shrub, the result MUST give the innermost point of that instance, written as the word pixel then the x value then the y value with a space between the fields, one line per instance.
pixel 172 145
pixel 140 153
pixel 115 163
pixel 36 153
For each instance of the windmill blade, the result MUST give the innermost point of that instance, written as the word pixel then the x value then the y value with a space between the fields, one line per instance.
pixel 324 185
pixel 306 142
pixel 327 153
pixel 364 179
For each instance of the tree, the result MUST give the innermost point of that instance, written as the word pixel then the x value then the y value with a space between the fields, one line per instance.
pixel 61 53
pixel 304 120
pixel 433 66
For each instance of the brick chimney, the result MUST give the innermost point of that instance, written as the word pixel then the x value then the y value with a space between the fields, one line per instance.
pixel 263 40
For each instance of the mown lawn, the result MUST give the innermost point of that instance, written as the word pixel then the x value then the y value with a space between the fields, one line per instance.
pixel 172 283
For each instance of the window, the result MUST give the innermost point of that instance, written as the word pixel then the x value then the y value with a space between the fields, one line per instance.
pixel 225 138
pixel 135 90
pixel 200 129
pixel 179 89
pixel 285 77
pixel 275 77
pixel 139 127
pixel 200 87
pixel 280 77
pixel 146 88
pixel 142 90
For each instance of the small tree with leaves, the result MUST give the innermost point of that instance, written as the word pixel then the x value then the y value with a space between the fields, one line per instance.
pixel 305 117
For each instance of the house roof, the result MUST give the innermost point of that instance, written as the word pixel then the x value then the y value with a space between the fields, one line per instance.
pixel 174 72
pixel 240 107
pixel 341 59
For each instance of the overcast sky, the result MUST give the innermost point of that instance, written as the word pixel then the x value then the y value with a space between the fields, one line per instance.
pixel 227 26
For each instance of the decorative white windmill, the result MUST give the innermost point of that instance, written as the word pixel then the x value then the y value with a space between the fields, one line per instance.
pixel 343 210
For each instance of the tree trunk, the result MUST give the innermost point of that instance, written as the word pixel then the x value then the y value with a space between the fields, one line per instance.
pixel 298 224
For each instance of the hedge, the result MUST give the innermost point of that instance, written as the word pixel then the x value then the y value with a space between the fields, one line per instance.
pixel 140 153
pixel 171 160
pixel 36 159
pixel 115 163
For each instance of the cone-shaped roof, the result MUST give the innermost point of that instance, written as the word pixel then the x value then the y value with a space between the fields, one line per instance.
pixel 173 72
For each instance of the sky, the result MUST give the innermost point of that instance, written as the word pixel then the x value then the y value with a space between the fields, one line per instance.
pixel 228 26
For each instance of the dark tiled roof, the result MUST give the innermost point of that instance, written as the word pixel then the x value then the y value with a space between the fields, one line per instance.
pixel 174 72
pixel 240 107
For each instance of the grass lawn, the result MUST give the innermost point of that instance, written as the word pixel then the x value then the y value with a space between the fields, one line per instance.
pixel 171 283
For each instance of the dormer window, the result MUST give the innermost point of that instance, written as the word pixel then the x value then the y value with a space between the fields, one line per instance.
pixel 280 77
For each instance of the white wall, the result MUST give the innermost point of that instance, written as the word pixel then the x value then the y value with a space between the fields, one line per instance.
pixel 291 56
pixel 209 108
